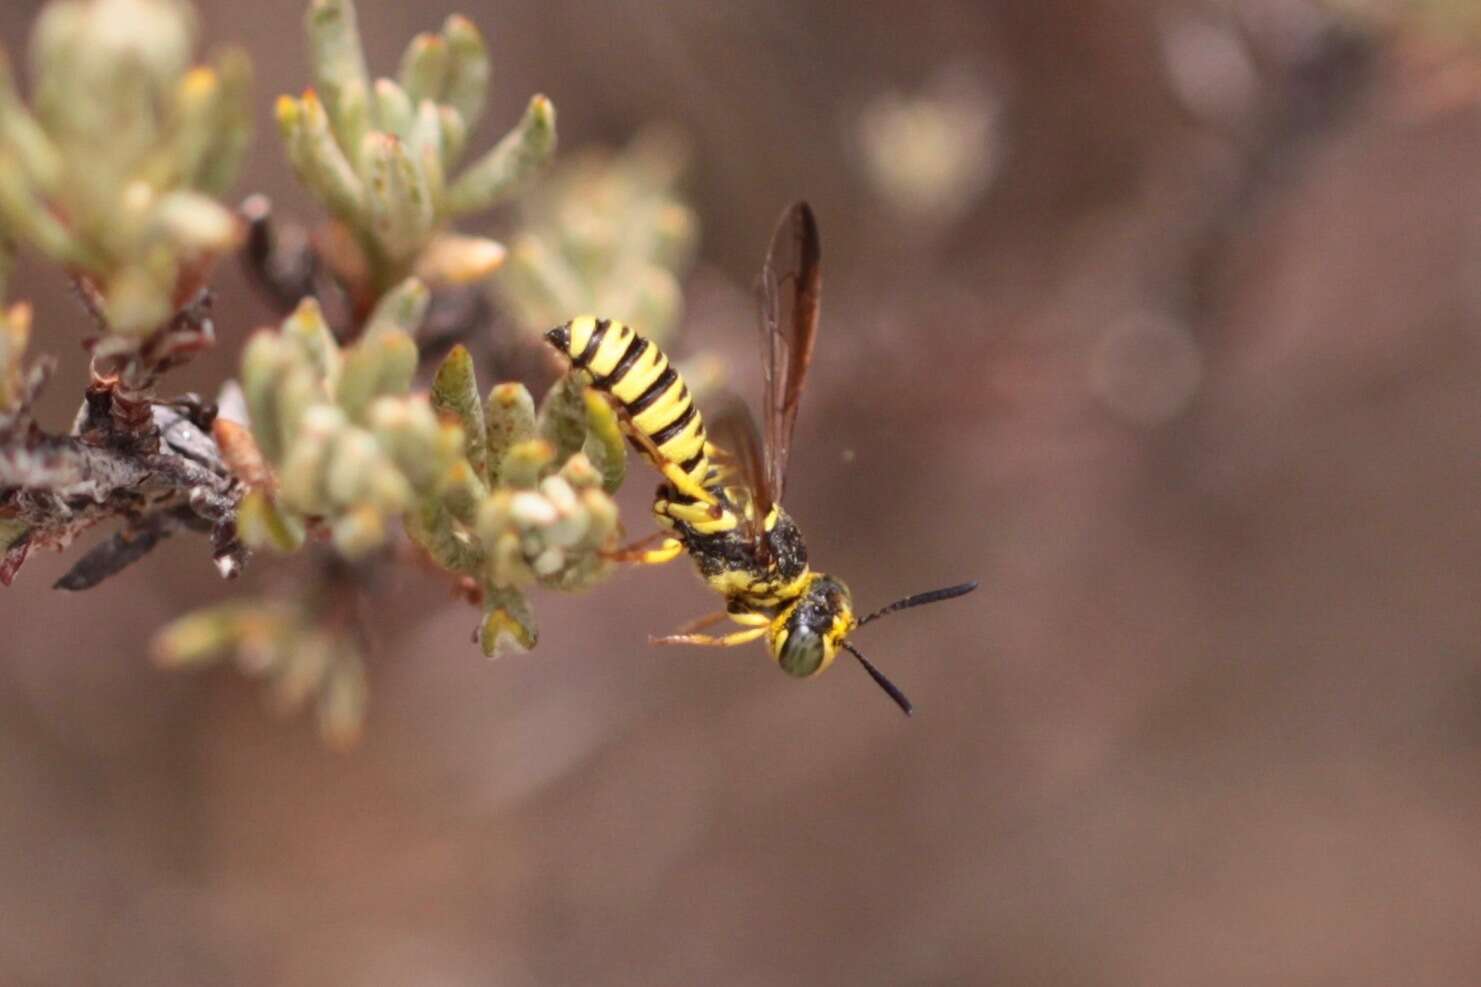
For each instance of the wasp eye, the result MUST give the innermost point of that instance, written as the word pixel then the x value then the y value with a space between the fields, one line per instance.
pixel 802 652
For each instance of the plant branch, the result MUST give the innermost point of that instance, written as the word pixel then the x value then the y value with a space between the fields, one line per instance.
pixel 57 486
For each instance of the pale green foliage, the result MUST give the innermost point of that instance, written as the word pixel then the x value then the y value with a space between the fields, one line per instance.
pixel 498 495
pixel 302 654
pixel 606 232
pixel 349 443
pixel 540 512
pixel 549 518
pixel 115 171
pixel 495 493
pixel 383 155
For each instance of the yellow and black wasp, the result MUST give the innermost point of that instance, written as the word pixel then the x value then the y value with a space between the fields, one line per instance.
pixel 721 497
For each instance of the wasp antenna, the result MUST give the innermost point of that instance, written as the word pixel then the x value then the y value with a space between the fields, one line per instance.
pixel 921 599
pixel 889 687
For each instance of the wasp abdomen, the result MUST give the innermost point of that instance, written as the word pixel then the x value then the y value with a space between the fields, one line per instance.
pixel 638 374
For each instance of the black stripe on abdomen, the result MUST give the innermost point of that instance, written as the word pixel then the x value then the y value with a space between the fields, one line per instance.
pixel 674 427
pixel 592 344
pixel 635 349
pixel 654 391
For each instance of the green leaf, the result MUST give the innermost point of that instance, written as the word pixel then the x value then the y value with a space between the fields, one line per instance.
pixel 200 638
pixel 504 169
pixel 262 524
pixel 424 68
pixel 563 417
pixel 454 259
pixel 137 299
pixel 343 703
pixel 401 309
pixel 508 622
pixel 354 471
pixel 525 463
pixel 604 447
pixel 24 217
pixel 359 531
pixel 378 365
pixel 20 132
pixel 216 169
pixel 393 108
pixel 316 156
pixel 351 122
pixel 263 361
pixel 301 485
pixel 455 393
pixel 463 491
pixel 467 70
pixel 544 284
pixel 510 413
pixel 307 329
pixel 195 223
pixel 454 130
pixel 401 211
pixel 425 138
pixel 410 433
pixel 335 50
pixel 303 670
pixel 432 527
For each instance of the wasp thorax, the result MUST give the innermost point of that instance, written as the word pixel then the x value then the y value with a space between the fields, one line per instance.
pixel 815 627
pixel 787 547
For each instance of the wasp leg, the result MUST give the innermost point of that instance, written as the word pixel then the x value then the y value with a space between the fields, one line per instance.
pixel 727 641
pixel 756 624
pixel 680 481
pixel 668 549
pixel 676 477
pixel 671 549
pixel 700 623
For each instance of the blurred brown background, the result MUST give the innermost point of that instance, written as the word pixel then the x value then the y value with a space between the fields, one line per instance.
pixel 1185 369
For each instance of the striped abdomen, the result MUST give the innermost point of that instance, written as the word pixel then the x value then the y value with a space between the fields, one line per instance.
pixel 636 372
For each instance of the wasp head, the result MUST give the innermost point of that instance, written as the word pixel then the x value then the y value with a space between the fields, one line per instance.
pixel 808 634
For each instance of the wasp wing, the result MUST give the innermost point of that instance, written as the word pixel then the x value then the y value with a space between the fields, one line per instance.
pixel 790 294
pixel 733 432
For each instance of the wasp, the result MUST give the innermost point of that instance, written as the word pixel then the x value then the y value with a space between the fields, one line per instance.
pixel 720 500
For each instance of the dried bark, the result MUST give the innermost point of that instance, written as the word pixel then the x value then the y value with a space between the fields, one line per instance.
pixel 152 464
